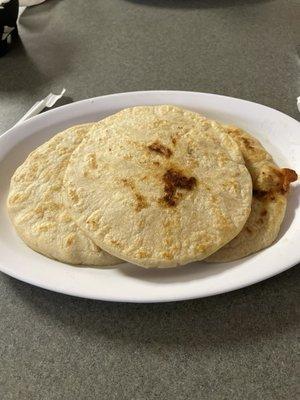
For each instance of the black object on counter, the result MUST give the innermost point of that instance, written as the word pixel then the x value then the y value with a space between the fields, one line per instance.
pixel 8 24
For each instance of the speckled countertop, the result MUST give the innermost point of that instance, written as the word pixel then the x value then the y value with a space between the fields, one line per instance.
pixel 240 345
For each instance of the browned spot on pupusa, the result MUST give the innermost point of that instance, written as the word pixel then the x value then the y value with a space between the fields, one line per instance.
pixel 247 143
pixel 168 256
pixel 160 148
pixel 286 176
pixel 141 201
pixel 141 224
pixel 17 198
pixel 91 161
pixel 144 254
pixel 248 230
pixel 116 243
pixel 73 195
pixel 174 179
pixel 128 183
pixel 263 195
pixel 92 223
pixel 264 213
pixel 175 137
pixel 49 206
pixel 275 179
pixel 70 240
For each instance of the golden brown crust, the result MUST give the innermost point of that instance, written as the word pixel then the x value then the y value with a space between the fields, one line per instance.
pixel 288 176
pixel 266 175
pixel 35 202
pixel 175 162
pixel 270 188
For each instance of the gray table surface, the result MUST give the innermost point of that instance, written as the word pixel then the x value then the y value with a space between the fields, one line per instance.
pixel 239 345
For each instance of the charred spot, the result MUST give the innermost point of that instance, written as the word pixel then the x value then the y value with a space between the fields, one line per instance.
pixel 259 194
pixel 264 195
pixel 156 163
pixel 159 148
pixel 173 180
pixel 264 213
pixel 248 230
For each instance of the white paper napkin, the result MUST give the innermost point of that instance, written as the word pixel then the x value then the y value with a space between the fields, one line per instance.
pixel 28 3
pixel 48 102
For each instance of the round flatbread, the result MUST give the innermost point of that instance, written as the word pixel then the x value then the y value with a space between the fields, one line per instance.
pixel 270 188
pixel 158 186
pixel 35 204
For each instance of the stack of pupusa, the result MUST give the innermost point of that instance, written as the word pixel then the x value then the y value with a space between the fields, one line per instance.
pixel 158 186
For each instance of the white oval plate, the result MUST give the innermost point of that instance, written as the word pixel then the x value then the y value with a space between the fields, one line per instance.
pixel 279 133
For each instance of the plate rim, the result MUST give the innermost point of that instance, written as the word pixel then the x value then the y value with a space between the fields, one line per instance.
pixel 138 92
pixel 148 300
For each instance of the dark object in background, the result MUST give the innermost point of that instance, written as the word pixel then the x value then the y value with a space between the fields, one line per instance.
pixel 8 24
